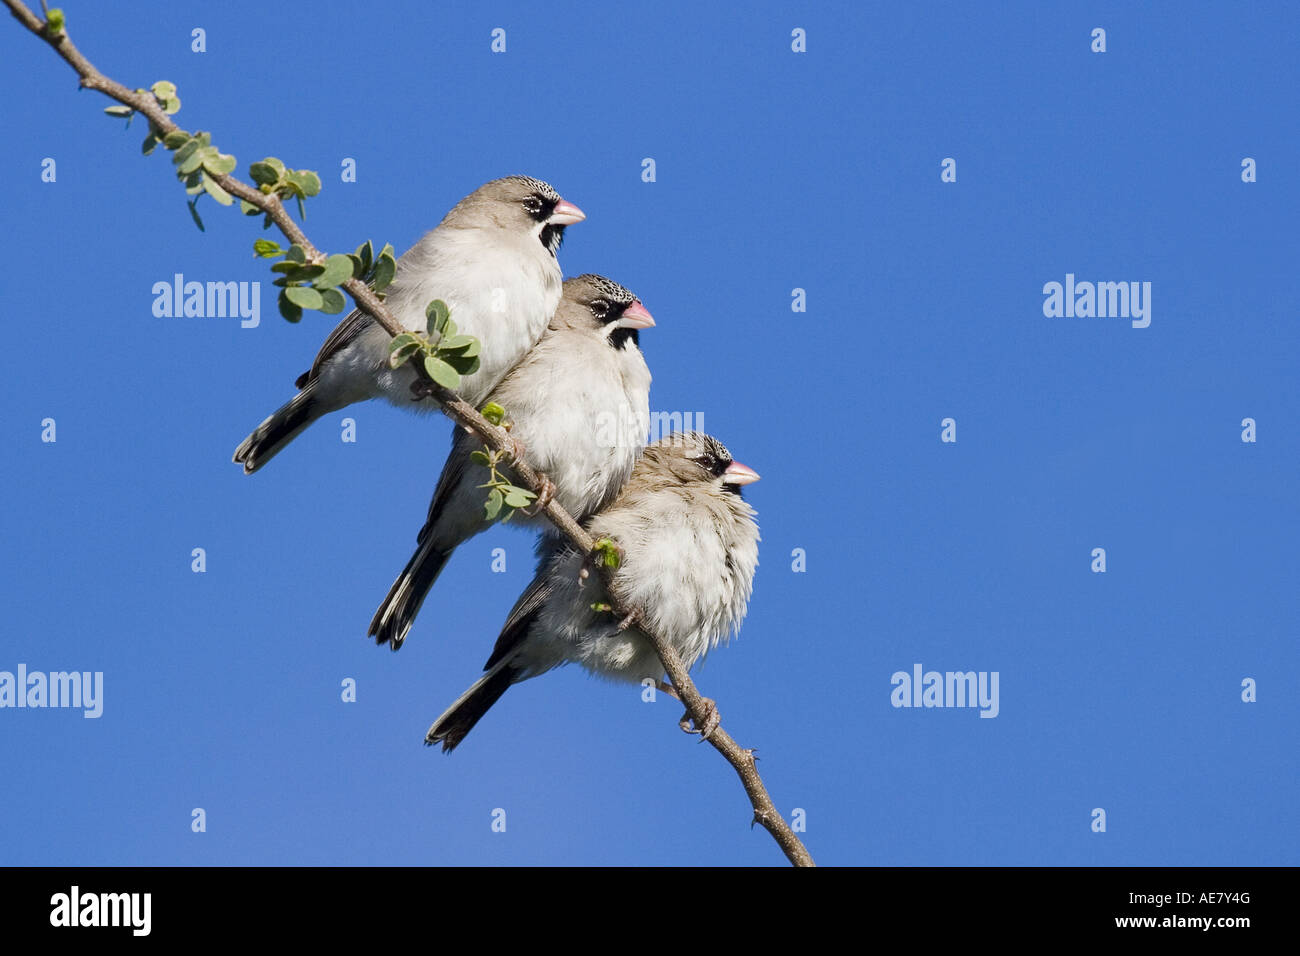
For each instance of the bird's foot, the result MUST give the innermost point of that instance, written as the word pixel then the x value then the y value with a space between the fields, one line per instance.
pixel 514 448
pixel 422 388
pixel 711 720
pixel 544 498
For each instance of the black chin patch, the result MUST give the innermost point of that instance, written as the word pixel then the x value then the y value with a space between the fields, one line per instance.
pixel 552 237
pixel 620 337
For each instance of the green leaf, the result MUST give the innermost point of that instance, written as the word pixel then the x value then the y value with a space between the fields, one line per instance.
pixel 149 144
pixel 264 174
pixel 514 499
pixel 247 208
pixel 402 347
pixel 456 342
pixel 216 192
pixel 193 204
pixel 302 210
pixel 267 248
pixel 493 506
pixel 171 105
pixel 205 139
pixel 463 365
pixel 187 157
pixel 493 413
pixel 400 357
pixel 441 372
pixel 176 139
pixel 194 182
pixel 192 162
pixel 119 111
pixel 480 458
pixel 54 22
pixel 163 89
pixel 332 301
pixel 337 269
pixel 299 273
pixel 287 309
pixel 437 313
pixel 366 254
pixel 304 296
pixel 305 181
pixel 296 253
pixel 221 165
pixel 385 269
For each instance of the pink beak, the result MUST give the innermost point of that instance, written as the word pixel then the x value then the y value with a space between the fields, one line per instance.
pixel 566 214
pixel 738 474
pixel 635 316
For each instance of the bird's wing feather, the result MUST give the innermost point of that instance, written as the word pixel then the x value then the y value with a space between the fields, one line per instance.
pixel 339 339
pixel 521 619
pixel 452 472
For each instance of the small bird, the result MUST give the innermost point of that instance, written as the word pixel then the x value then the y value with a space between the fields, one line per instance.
pixel 689 547
pixel 579 403
pixel 492 259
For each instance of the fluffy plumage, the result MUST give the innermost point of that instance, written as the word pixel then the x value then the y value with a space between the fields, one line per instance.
pixel 491 259
pixel 690 546
pixel 579 403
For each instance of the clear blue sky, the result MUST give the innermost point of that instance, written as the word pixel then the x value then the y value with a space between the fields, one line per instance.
pixel 775 170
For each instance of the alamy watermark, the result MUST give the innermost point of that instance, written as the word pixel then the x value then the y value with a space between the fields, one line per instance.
pixel 1102 300
pixel 922 688
pixel 622 428
pixel 179 298
pixel 83 689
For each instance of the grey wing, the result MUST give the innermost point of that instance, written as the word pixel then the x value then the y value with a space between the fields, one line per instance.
pixel 521 618
pixel 342 336
pixel 453 470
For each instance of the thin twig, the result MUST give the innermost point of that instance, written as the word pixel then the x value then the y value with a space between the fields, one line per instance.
pixel 460 412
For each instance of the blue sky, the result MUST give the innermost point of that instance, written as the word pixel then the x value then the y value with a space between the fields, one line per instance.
pixel 775 170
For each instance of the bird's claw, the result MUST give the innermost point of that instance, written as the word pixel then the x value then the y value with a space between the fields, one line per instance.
pixel 711 720
pixel 422 388
pixel 513 447
pixel 544 498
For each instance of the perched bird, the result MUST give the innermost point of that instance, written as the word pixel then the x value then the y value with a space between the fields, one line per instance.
pixel 689 547
pixel 579 403
pixel 491 259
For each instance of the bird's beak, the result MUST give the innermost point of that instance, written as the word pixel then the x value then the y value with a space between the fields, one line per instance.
pixel 566 214
pixel 635 316
pixel 738 474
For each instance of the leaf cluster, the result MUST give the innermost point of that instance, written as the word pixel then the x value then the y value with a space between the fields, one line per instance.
pixel 445 353
pixel 310 285
pixel 504 497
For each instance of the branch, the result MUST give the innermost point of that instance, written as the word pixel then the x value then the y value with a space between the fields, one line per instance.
pixel 460 412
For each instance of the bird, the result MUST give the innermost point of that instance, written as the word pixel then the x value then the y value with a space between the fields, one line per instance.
pixel 492 260
pixel 688 546
pixel 578 404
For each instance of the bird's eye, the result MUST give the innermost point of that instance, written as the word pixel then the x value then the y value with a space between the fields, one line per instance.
pixel 600 309
pixel 712 465
pixel 533 205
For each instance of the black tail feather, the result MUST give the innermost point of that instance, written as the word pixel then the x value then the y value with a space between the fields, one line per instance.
pixel 270 437
pixel 450 729
pixel 392 622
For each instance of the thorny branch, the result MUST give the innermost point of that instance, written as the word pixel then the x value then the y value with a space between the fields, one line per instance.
pixel 463 414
